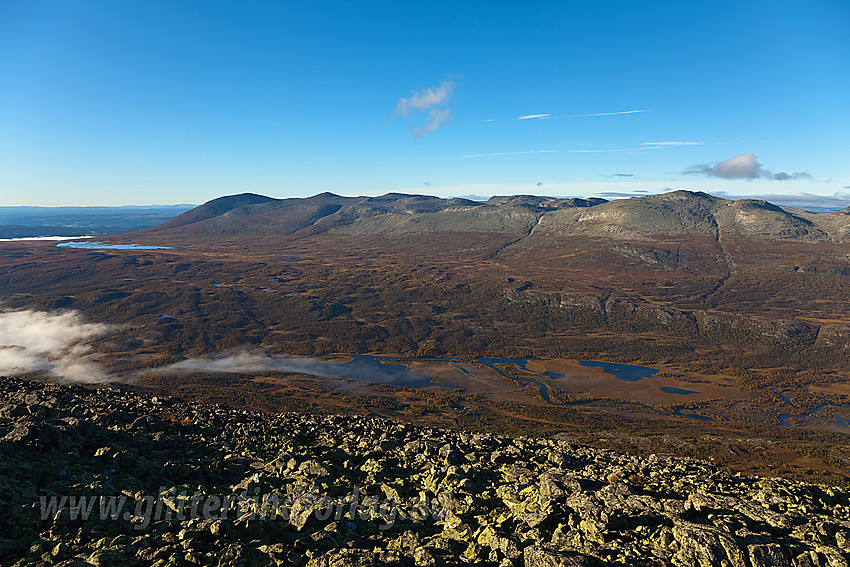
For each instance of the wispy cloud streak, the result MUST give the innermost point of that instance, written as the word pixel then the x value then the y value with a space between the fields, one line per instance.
pixel 607 113
pixel 672 144
pixel 548 116
pixel 612 150
pixel 508 153
pixel 640 149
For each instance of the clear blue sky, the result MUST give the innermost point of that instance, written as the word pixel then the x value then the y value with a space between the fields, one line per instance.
pixel 139 102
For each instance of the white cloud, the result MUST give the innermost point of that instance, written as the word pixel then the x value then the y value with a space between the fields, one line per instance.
pixel 422 100
pixel 508 153
pixel 258 361
pixel 547 116
pixel 435 118
pixel 38 340
pixel 744 166
pixel 534 116
pixel 672 144
pixel 425 100
pixel 607 113
pixel 640 149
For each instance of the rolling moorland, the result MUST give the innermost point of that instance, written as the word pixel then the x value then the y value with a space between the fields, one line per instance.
pixel 743 303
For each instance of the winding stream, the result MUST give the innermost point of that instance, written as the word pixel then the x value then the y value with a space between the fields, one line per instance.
pixel 810 414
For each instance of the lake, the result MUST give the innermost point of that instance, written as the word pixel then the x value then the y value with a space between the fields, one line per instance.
pixel 103 246
pixel 624 372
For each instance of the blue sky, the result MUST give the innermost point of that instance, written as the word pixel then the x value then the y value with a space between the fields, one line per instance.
pixel 140 102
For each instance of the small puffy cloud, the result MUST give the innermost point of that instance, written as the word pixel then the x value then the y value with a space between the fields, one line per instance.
pixel 55 342
pixel 744 166
pixel 427 100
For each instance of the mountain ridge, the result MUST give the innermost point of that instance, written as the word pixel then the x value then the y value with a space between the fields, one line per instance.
pixel 674 213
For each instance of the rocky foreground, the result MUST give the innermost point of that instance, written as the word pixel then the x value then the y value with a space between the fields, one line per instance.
pixel 103 477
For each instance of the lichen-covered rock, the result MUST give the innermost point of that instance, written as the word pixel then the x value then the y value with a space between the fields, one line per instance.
pixel 102 477
pixel 537 556
pixel 768 555
pixel 355 558
pixel 706 547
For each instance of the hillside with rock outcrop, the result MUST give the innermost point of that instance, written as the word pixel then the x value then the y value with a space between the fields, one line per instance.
pixel 195 484
pixel 679 213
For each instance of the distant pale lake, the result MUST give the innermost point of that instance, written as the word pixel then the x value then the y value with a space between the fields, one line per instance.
pixel 102 246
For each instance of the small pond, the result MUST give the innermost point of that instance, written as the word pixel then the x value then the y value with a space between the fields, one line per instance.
pixel 672 390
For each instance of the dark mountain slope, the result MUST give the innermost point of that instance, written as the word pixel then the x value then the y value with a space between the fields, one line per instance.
pixel 393 213
pixel 214 208
pixel 674 214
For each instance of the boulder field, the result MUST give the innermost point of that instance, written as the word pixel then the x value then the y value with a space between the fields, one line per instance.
pixel 101 476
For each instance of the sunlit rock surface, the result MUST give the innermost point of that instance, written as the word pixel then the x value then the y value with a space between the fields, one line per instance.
pixel 211 485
